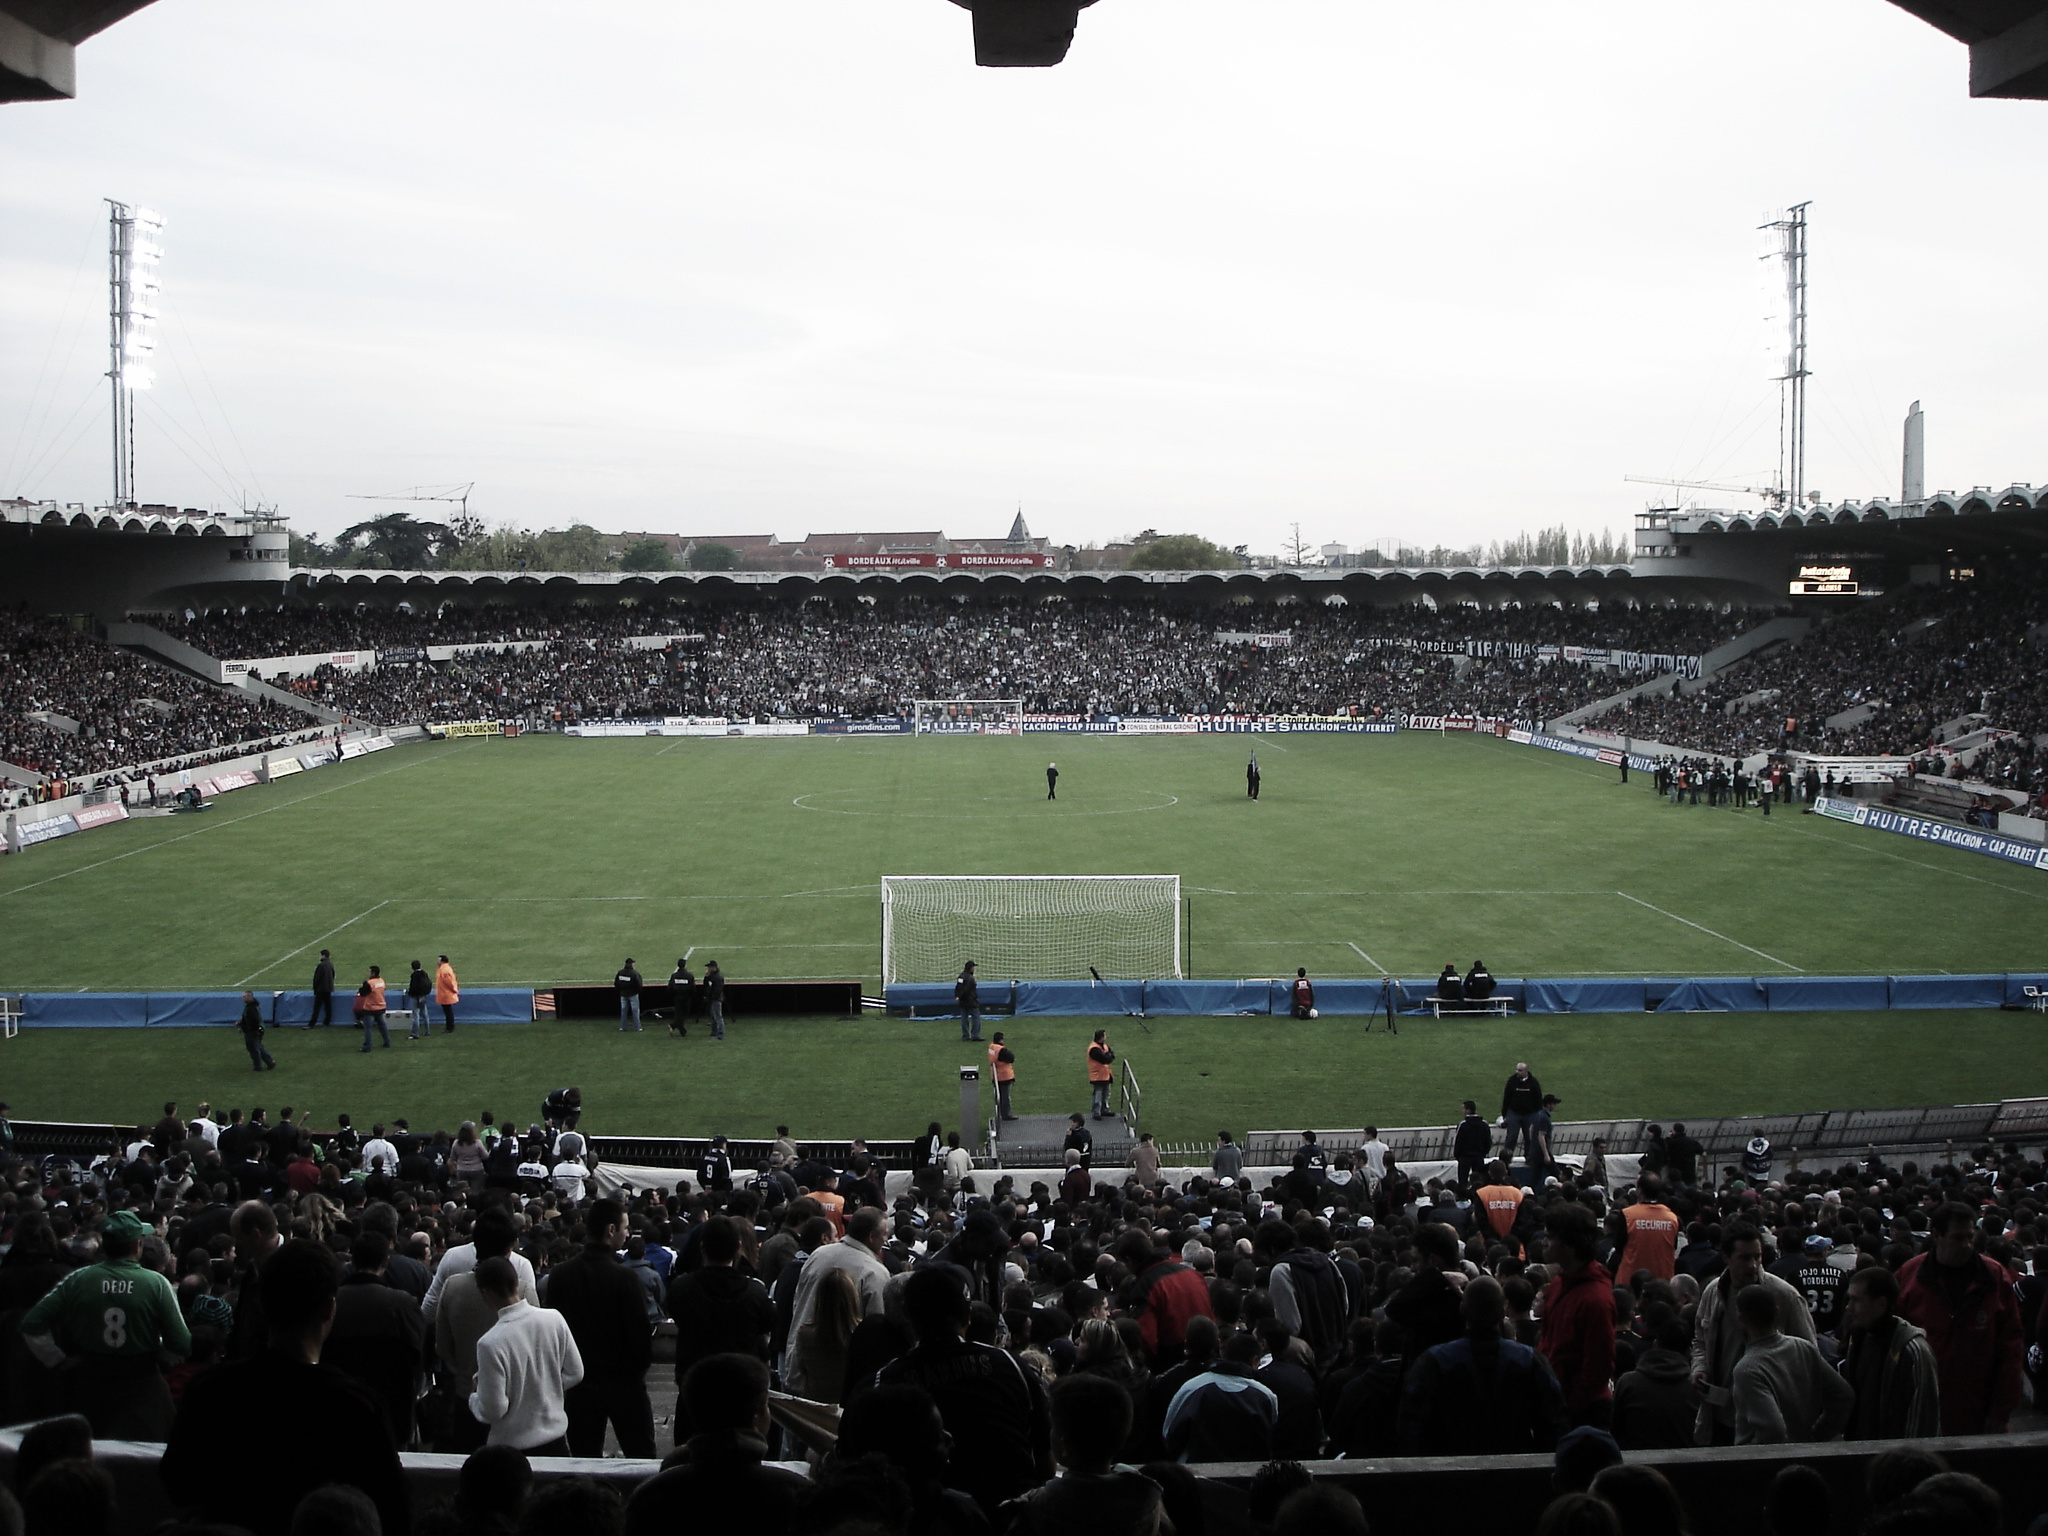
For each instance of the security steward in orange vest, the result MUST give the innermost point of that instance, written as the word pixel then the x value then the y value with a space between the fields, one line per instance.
pixel 1004 1063
pixel 1501 1204
pixel 1100 1073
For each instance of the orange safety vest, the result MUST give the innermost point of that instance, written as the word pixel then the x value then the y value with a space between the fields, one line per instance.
pixel 374 1002
pixel 833 1207
pixel 1502 1203
pixel 1652 1242
pixel 1098 1071
pixel 1006 1071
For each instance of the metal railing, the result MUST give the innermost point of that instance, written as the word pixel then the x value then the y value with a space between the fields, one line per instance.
pixel 1819 1132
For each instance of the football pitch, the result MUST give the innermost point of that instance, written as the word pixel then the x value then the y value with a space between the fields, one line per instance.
pixel 544 860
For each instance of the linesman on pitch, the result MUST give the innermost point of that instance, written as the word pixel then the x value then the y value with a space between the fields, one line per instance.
pixel 1052 781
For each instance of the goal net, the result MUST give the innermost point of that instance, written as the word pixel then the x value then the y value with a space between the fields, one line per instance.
pixel 1031 927
pixel 967 717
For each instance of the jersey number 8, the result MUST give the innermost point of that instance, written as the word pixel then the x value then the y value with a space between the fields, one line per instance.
pixel 115 1334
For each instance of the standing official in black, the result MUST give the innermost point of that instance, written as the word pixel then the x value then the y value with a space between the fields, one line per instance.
pixel 627 981
pixel 606 1311
pixel 1251 778
pixel 967 993
pixel 682 993
pixel 323 991
pixel 1052 781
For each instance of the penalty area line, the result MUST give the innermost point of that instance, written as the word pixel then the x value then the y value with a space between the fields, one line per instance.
pixel 1368 959
pixel 1787 964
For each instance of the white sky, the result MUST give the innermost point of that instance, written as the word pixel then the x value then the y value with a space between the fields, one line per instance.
pixel 1432 273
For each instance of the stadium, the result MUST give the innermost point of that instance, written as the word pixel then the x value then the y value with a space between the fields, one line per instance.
pixel 1150 943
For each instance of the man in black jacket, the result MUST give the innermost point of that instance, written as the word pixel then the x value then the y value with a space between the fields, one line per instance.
pixel 714 998
pixel 251 1026
pixel 718 1310
pixel 607 1314
pixel 1520 1101
pixel 323 991
pixel 716 1481
pixel 627 981
pixel 255 1436
pixel 377 1333
pixel 682 996
pixel 967 993
pixel 1471 1146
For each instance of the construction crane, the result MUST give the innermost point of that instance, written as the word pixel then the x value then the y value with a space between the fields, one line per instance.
pixel 1770 493
pixel 459 494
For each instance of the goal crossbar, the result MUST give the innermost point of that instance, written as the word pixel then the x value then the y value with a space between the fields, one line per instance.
pixel 1031 927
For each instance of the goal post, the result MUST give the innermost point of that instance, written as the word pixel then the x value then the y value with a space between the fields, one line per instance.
pixel 966 717
pixel 1031 927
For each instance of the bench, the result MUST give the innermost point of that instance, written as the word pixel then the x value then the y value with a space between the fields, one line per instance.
pixel 1497 1007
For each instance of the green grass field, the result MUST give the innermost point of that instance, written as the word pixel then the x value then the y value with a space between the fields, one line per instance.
pixel 545 860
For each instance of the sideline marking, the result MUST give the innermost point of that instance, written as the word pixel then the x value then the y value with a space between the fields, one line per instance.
pixel 233 821
pixel 1886 853
pixel 1788 965
pixel 330 933
pixel 1370 961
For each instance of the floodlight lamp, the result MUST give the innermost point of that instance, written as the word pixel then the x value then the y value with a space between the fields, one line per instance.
pixel 135 376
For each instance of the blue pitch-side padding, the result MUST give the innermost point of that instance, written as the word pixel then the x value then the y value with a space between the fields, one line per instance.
pixel 1077 999
pixel 85 1010
pixel 479 1005
pixel 194 1010
pixel 1211 997
pixel 1787 994
pixel 1714 994
pixel 1600 994
pixel 1344 999
pixel 1947 991
pixel 199 1010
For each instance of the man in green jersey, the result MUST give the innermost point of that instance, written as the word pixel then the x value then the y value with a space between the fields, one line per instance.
pixel 113 1324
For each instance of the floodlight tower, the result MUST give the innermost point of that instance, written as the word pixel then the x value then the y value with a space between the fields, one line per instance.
pixel 1785 244
pixel 134 248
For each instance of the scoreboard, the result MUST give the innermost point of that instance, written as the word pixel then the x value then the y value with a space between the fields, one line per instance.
pixel 1832 578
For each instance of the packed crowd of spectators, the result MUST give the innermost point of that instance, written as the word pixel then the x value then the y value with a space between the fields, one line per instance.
pixel 1916 663
pixel 128 710
pixel 856 659
pixel 963 1341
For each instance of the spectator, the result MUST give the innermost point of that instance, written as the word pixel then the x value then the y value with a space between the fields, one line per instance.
pixel 1642 1498
pixel 1091 1419
pixel 1783 1391
pixel 1656 1405
pixel 902 1425
pixel 1718 1338
pixel 994 1409
pixel 1308 1291
pixel 856 1255
pixel 1520 1101
pixel 716 1480
pixel 1889 1363
pixel 607 1317
pixel 1652 1229
pixel 377 1334
pixel 1222 1411
pixel 1578 1317
pixel 1170 1296
pixel 525 1366
pixel 1482 1394
pixel 1964 1302
pixel 250 1468
pixel 113 1346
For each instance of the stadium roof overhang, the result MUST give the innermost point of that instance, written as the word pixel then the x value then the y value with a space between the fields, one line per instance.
pixel 39 39
pixel 2008 41
pixel 1488 586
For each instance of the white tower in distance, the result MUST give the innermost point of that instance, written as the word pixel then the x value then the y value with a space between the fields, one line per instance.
pixel 1913 479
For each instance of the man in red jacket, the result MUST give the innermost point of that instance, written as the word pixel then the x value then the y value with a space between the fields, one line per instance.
pixel 1171 1296
pixel 1966 1304
pixel 1578 1317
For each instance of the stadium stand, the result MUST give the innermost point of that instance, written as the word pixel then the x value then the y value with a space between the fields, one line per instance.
pixel 1929 669
pixel 74 708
